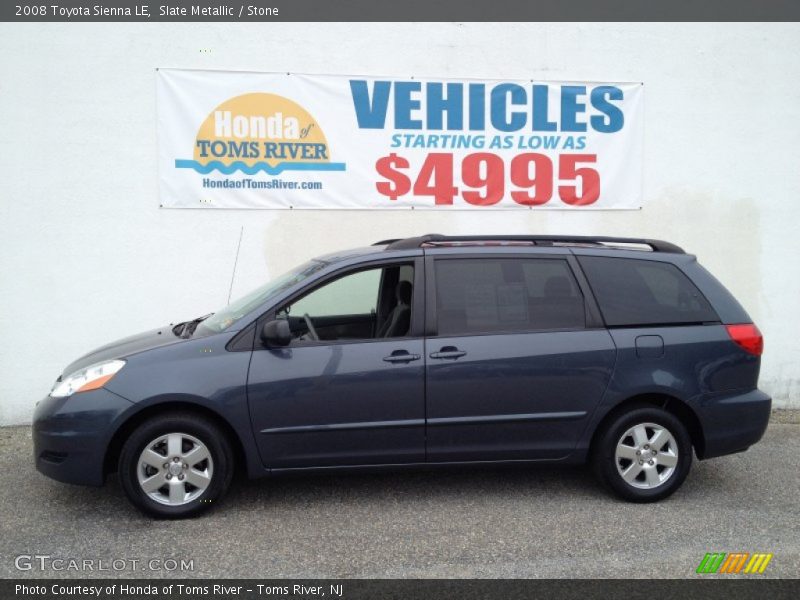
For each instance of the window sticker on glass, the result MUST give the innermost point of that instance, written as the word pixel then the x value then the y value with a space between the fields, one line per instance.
pixel 512 303
pixel 480 304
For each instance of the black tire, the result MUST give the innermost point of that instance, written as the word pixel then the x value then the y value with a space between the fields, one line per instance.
pixel 605 461
pixel 191 426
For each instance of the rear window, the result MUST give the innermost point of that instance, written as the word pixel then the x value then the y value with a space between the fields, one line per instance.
pixel 509 295
pixel 644 292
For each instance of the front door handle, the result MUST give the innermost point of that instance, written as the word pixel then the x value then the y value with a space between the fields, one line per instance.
pixel 401 356
pixel 449 352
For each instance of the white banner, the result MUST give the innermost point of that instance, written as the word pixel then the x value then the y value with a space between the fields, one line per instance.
pixel 278 140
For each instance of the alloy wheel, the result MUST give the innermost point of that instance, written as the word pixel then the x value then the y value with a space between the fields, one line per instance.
pixel 175 469
pixel 646 455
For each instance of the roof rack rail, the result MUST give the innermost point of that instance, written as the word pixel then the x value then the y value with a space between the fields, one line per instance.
pixel 539 240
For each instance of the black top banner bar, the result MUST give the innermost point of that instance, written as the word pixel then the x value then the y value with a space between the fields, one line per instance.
pixel 397 10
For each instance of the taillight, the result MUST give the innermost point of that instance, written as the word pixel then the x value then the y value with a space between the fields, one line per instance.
pixel 748 337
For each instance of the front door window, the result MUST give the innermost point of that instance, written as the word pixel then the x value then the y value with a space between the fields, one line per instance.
pixel 368 304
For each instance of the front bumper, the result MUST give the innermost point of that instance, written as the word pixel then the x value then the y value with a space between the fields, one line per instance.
pixel 71 435
pixel 733 422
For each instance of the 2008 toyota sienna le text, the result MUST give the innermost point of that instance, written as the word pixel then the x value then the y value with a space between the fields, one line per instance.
pixel 623 353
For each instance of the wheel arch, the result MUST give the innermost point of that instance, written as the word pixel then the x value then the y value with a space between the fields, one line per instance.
pixel 135 419
pixel 673 405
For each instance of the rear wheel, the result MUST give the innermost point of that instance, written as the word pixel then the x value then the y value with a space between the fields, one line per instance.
pixel 176 465
pixel 643 455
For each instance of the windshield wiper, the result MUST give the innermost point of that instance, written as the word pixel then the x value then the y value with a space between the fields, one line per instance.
pixel 186 329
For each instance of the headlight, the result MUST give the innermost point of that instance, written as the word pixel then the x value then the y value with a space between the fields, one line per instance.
pixel 90 378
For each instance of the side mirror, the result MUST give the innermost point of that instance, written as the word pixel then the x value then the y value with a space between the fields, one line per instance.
pixel 276 333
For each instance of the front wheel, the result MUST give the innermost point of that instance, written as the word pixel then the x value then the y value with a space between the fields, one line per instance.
pixel 176 465
pixel 643 455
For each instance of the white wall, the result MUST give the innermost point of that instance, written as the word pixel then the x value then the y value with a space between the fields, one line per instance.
pixel 87 255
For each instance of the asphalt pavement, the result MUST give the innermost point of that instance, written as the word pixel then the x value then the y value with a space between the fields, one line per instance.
pixel 482 522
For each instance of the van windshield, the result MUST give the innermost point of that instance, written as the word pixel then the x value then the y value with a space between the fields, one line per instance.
pixel 231 314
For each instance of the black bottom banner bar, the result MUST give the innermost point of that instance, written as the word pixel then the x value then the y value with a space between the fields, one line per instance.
pixel 378 589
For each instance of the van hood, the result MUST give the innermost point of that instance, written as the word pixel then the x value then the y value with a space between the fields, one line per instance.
pixel 148 340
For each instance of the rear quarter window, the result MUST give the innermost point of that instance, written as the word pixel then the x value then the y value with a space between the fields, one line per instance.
pixel 644 292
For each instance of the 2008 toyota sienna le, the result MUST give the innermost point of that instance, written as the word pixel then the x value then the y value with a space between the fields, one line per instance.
pixel 624 353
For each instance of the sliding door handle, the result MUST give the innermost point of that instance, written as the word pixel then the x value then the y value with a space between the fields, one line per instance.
pixel 449 352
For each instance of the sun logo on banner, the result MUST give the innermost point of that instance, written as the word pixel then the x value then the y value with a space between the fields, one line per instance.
pixel 260 132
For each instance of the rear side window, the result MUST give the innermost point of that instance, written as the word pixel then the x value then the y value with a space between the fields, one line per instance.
pixel 510 295
pixel 644 292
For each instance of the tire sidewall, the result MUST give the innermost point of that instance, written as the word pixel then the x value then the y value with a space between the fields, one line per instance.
pixel 607 466
pixel 200 428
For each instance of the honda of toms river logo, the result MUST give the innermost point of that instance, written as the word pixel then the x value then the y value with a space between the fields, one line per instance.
pixel 260 132
pixel 734 562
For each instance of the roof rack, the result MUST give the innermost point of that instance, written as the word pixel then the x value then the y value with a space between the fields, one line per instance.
pixel 432 239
